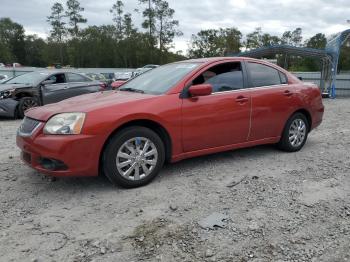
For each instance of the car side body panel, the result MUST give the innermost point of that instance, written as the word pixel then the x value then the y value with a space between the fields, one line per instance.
pixel 215 120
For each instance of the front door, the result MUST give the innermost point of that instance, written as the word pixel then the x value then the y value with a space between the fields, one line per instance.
pixel 222 118
pixel 56 91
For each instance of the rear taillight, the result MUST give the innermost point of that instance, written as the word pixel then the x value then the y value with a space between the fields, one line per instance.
pixel 103 86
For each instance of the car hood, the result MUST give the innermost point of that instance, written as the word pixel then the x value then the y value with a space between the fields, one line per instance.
pixel 5 87
pixel 86 103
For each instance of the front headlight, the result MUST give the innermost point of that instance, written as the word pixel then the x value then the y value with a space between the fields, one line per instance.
pixel 6 94
pixel 65 124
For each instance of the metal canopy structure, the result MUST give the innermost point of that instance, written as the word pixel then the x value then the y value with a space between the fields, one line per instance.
pixel 328 56
pixel 333 48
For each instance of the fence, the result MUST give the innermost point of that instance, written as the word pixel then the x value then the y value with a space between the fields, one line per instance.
pixel 342 83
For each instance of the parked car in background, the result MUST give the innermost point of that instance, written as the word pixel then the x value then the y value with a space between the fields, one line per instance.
pixel 173 112
pixel 42 87
pixel 122 76
pixel 14 65
pixel 117 84
pixel 150 66
pixel 3 78
pixel 96 76
pixel 109 76
pixel 99 77
pixel 143 69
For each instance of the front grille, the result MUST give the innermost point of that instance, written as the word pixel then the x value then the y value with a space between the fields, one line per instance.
pixel 26 157
pixel 28 126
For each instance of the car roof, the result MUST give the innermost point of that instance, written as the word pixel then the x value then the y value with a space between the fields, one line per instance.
pixel 216 59
pixel 210 60
pixel 57 71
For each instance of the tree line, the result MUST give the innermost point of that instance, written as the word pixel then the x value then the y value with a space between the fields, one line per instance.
pixel 124 44
pixel 119 44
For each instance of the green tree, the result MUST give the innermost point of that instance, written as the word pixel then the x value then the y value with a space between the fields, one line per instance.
pixel 254 39
pixel 75 18
pixel 166 26
pixel 117 12
pixel 35 50
pixel 317 41
pixel 58 30
pixel 11 41
pixel 215 42
pixel 5 53
pixel 258 39
pixel 293 38
pixel 149 23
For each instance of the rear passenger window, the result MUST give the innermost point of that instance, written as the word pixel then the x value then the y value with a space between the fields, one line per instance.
pixel 77 78
pixel 262 75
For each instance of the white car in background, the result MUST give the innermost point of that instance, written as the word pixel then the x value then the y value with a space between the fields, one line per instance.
pixel 122 75
pixel 143 69
pixel 3 78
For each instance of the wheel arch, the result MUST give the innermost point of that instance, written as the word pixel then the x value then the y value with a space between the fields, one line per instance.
pixel 306 113
pixel 24 94
pixel 159 129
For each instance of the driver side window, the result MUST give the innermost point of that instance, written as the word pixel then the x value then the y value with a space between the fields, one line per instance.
pixel 58 78
pixel 223 77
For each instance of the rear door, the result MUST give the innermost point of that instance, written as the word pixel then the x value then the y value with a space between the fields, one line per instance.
pixel 273 100
pixel 221 118
pixel 79 85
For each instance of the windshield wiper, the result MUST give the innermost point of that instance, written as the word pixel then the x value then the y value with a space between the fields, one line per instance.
pixel 130 89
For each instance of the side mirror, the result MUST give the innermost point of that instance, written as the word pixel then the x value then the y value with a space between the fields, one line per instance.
pixel 200 90
pixel 300 78
pixel 48 82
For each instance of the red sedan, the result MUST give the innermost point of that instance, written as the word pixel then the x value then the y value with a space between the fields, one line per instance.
pixel 173 112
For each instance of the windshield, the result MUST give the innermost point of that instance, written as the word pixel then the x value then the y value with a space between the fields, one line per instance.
pixel 32 78
pixel 160 79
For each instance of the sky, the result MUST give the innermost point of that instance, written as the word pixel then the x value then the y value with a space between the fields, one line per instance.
pixel 273 16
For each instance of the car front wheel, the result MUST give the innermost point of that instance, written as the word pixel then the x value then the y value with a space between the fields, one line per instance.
pixel 295 133
pixel 133 157
pixel 26 103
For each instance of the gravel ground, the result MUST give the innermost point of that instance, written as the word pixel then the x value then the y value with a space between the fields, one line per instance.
pixel 278 206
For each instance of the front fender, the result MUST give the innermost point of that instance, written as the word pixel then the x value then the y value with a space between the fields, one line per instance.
pixel 8 107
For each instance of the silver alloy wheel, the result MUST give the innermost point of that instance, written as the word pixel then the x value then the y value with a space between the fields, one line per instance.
pixel 137 158
pixel 297 132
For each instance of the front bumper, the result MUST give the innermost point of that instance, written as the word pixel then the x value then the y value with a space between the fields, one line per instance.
pixel 8 107
pixel 78 155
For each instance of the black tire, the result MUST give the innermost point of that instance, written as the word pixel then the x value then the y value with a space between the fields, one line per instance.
pixel 110 153
pixel 24 104
pixel 285 144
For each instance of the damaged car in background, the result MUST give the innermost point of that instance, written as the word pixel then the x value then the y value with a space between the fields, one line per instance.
pixel 42 87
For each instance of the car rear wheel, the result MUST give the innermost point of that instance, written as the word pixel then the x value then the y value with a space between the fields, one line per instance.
pixel 24 104
pixel 133 157
pixel 295 133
